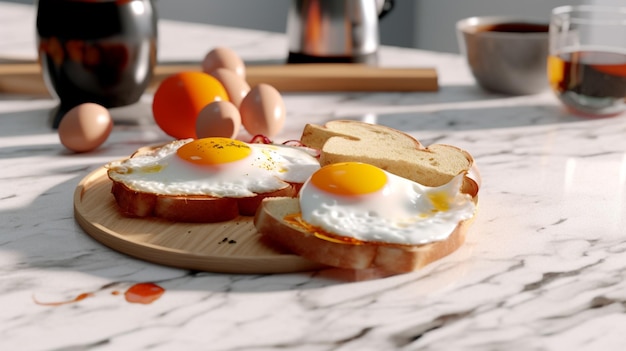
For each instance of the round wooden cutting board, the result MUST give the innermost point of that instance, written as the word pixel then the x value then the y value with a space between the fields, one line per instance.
pixel 227 247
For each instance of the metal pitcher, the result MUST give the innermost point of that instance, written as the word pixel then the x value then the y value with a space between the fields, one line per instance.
pixel 335 30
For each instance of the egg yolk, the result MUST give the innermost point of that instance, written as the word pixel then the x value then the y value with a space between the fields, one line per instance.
pixel 213 151
pixel 440 201
pixel 349 178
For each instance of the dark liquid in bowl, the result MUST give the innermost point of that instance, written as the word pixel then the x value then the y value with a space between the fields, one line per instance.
pixel 96 51
pixel 514 28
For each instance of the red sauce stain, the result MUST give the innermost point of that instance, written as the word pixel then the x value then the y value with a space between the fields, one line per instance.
pixel 144 293
pixel 59 303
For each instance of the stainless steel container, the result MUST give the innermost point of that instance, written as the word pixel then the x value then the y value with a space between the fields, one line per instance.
pixel 335 30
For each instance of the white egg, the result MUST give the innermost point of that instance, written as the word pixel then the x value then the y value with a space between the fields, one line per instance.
pixel 366 203
pixel 219 167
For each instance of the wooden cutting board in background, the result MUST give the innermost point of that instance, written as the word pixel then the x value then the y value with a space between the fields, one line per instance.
pixel 26 78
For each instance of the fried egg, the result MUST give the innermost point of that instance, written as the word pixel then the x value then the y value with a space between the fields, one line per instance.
pixel 365 203
pixel 219 167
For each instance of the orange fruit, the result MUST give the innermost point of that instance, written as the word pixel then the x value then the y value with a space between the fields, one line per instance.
pixel 180 97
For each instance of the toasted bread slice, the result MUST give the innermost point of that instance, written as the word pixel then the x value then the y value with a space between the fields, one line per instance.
pixel 394 258
pixel 190 208
pixel 187 208
pixel 393 151
pixel 389 149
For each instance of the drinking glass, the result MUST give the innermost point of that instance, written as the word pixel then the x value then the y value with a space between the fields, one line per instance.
pixel 100 51
pixel 587 61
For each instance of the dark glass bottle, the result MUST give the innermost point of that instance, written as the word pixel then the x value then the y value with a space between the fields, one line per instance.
pixel 101 51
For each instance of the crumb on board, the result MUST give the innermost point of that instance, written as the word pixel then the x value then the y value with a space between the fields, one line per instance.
pixel 226 240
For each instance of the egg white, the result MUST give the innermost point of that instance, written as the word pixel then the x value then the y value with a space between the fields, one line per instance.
pixel 402 212
pixel 265 170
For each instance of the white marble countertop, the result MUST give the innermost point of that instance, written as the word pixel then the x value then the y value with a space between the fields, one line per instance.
pixel 543 268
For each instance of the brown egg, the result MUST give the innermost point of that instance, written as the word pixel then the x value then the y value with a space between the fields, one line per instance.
pixel 236 87
pixel 222 57
pixel 263 111
pixel 218 119
pixel 85 127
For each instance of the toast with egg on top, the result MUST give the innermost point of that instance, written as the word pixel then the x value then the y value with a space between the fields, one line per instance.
pixel 206 180
pixel 436 169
